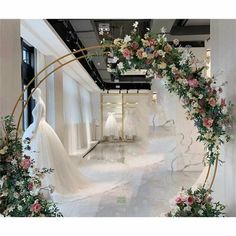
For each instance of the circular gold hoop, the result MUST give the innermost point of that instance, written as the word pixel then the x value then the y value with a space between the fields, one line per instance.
pixel 66 63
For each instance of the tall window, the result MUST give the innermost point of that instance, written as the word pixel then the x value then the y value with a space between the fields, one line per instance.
pixel 27 73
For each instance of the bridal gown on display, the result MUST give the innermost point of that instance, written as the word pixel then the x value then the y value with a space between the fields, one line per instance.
pixel 111 126
pixel 129 124
pixel 48 151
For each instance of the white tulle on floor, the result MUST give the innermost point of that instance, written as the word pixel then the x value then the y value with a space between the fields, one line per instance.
pixel 48 151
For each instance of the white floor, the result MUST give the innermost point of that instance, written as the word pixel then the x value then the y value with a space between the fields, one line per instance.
pixel 145 185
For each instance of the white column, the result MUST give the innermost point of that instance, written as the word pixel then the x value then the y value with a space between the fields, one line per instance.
pixel 10 65
pixel 223 38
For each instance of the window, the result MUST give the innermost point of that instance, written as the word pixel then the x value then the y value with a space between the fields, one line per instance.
pixel 27 73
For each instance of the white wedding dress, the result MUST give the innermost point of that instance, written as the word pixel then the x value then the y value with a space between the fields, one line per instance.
pixel 129 124
pixel 111 126
pixel 48 151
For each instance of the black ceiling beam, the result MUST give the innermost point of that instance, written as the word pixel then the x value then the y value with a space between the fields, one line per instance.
pixel 190 30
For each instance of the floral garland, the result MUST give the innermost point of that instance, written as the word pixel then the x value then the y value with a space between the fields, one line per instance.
pixel 197 203
pixel 199 94
pixel 21 191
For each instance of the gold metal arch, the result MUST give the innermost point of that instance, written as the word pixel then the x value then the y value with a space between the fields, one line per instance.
pixel 66 63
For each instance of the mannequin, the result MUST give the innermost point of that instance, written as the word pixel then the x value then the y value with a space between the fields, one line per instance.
pixel 48 152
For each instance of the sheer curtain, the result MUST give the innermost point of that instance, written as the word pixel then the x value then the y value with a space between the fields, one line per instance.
pixel 73 130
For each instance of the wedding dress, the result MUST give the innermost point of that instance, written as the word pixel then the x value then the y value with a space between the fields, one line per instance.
pixel 48 152
pixel 111 126
pixel 129 124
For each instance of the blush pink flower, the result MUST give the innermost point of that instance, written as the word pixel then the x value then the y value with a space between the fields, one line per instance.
pixel 212 102
pixel 190 200
pixel 36 207
pixel 139 53
pixel 126 53
pixel 135 45
pixel 193 83
pixel 25 163
pixel 207 122
pixel 152 41
pixel 178 200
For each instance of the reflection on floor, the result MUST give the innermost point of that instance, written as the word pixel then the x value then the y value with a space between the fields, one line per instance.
pixel 148 187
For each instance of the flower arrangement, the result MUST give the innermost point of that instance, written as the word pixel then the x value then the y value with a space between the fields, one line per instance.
pixel 199 94
pixel 21 191
pixel 197 203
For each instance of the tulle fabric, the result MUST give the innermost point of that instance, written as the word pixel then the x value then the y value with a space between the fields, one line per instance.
pixel 111 126
pixel 48 152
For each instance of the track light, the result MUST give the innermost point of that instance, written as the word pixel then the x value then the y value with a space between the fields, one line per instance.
pixel 119 91
pixel 107 91
pixel 138 91
pixel 127 91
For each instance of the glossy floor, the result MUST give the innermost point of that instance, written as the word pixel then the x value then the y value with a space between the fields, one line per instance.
pixel 148 183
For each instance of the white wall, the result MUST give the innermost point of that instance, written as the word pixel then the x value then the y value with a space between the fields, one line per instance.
pixel 10 65
pixel 67 92
pixel 223 38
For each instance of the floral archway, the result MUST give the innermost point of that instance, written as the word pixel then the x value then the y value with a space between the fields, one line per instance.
pixel 20 183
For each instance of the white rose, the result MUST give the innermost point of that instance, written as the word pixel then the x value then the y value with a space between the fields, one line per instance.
pixel 34 192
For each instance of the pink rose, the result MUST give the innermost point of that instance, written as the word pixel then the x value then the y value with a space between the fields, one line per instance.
pixel 223 103
pixel 190 200
pixel 25 163
pixel 193 83
pixel 178 200
pixel 207 122
pixel 212 102
pixel 135 45
pixel 36 207
pixel 126 53
pixel 139 53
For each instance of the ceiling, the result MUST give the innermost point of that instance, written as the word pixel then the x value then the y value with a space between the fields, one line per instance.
pixel 79 33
